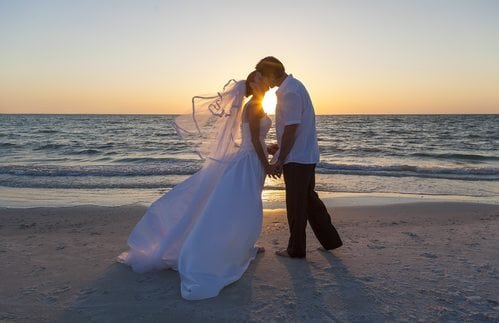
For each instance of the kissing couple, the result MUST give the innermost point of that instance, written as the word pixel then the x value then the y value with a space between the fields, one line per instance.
pixel 206 227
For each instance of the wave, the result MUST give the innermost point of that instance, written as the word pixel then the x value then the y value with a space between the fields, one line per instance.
pixel 102 170
pixel 50 147
pixel 105 146
pixel 47 131
pixel 85 152
pixel 87 185
pixel 153 160
pixel 7 144
pixel 56 147
pixel 135 167
pixel 452 156
pixel 468 173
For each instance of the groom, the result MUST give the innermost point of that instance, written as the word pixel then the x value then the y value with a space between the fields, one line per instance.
pixel 297 157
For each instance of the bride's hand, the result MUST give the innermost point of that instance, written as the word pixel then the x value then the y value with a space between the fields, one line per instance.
pixel 277 168
pixel 269 171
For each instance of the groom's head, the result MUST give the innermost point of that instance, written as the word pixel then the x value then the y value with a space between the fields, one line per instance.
pixel 272 70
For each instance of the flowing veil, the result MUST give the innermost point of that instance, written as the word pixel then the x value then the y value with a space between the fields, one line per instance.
pixel 213 127
pixel 207 225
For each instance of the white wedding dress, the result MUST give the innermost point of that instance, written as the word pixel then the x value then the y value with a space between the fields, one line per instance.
pixel 205 227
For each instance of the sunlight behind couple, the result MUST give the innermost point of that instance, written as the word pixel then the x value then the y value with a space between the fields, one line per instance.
pixel 269 101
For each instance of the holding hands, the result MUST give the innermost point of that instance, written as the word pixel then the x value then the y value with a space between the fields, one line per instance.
pixel 273 170
pixel 259 86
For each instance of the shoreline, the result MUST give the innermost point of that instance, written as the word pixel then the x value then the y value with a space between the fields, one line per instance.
pixel 272 198
pixel 430 261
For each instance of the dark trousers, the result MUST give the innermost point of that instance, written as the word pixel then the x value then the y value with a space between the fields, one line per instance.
pixel 302 204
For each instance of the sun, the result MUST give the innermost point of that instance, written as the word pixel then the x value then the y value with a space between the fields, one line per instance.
pixel 269 101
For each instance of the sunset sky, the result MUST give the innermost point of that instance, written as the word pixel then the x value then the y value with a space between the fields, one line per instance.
pixel 378 56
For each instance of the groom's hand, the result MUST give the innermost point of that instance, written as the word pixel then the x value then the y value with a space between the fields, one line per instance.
pixel 269 171
pixel 277 168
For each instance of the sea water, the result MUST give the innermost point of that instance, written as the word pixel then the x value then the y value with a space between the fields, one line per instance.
pixel 122 159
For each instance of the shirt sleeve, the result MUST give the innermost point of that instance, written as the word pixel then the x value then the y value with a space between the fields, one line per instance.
pixel 291 109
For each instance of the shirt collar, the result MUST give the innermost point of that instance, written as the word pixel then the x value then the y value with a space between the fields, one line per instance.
pixel 284 83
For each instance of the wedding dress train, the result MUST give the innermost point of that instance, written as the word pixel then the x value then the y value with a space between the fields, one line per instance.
pixel 205 227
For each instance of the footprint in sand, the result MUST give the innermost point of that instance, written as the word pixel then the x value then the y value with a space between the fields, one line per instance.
pixel 27 226
pixel 370 246
pixel 413 236
pixel 267 287
pixel 375 244
pixel 429 255
pixel 85 292
pixel 144 279
pixel 28 290
pixel 60 290
pixel 7 316
pixel 37 269
pixel 44 297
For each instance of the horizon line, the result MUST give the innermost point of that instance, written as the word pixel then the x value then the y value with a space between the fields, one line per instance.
pixel 317 114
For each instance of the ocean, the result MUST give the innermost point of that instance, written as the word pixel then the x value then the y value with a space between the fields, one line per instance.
pixel 56 160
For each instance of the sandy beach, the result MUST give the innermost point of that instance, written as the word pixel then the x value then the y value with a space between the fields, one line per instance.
pixel 401 262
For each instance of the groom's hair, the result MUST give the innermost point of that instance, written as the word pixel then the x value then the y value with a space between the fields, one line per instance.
pixel 270 66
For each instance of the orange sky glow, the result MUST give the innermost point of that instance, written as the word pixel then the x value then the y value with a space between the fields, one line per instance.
pixel 151 57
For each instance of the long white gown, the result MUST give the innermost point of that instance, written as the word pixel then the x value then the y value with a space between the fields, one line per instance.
pixel 205 227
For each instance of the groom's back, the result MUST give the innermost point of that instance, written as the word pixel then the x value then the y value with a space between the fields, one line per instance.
pixel 294 106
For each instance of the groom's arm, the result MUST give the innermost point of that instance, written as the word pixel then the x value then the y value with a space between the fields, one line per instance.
pixel 291 113
pixel 288 140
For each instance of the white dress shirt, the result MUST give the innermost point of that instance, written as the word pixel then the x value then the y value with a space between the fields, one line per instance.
pixel 294 106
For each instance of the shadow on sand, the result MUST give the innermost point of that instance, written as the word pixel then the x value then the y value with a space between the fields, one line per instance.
pixel 122 295
pixel 329 293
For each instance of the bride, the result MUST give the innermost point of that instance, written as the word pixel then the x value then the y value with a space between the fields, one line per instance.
pixel 206 227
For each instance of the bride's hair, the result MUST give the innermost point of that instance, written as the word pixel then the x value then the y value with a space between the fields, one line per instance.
pixel 249 79
pixel 270 66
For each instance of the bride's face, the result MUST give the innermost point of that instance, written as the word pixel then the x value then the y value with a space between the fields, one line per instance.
pixel 262 82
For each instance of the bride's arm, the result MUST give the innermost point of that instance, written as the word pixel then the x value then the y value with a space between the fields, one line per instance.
pixel 254 123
